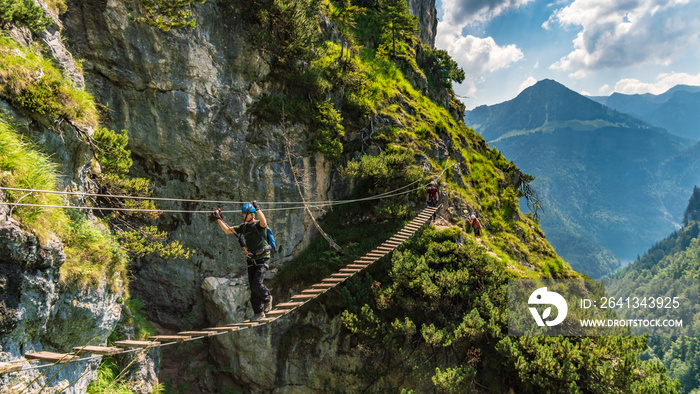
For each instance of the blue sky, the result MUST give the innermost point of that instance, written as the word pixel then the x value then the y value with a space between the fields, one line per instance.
pixel 595 47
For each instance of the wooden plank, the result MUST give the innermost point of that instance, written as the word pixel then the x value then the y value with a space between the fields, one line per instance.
pixel 304 296
pixel 323 285
pixel 381 248
pixel 244 324
pixel 136 344
pixel 368 260
pixel 350 270
pixel 342 275
pixel 333 280
pixel 11 367
pixel 170 338
pixel 375 254
pixel 363 262
pixel 214 330
pixel 313 291
pixel 197 333
pixel 361 266
pixel 277 312
pixel 267 319
pixel 105 351
pixel 51 357
pixel 289 305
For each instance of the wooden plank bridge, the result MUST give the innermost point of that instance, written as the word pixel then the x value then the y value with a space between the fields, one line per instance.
pixel 279 310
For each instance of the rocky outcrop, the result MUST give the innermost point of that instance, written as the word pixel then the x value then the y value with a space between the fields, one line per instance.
pixel 425 12
pixel 306 351
pixel 37 313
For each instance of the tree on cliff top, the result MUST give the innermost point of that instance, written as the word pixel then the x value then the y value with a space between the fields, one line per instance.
pixel 397 21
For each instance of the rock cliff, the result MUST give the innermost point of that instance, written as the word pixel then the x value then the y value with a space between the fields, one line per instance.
pixel 425 12
pixel 184 98
pixel 37 313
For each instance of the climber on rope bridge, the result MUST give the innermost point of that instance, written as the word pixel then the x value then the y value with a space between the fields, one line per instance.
pixel 258 253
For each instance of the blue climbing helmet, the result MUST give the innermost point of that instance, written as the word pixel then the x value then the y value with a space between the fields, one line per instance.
pixel 248 208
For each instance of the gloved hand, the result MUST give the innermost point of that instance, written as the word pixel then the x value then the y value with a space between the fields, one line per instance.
pixel 255 205
pixel 217 214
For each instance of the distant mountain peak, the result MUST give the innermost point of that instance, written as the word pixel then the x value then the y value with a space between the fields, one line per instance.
pixel 545 106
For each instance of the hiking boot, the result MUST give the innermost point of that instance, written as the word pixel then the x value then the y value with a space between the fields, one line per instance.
pixel 267 305
pixel 258 316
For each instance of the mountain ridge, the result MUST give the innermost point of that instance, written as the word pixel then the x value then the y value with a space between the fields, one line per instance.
pixel 676 110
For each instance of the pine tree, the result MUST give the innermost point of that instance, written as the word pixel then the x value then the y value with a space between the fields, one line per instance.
pixel 346 20
pixel 397 21
pixel 692 212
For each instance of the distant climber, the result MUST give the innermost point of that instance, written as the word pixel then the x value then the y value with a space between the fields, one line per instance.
pixel 476 225
pixel 250 235
pixel 432 195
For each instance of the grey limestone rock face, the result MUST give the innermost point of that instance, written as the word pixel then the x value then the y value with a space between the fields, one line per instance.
pixel 305 351
pixel 425 12
pixel 184 96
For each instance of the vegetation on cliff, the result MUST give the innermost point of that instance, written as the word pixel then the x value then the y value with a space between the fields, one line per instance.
pixel 436 313
pixel 675 258
pixel 92 254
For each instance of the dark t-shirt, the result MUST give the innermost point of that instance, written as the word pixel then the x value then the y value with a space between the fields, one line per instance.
pixel 432 192
pixel 255 239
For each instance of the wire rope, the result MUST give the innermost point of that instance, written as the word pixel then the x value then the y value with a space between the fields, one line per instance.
pixel 311 204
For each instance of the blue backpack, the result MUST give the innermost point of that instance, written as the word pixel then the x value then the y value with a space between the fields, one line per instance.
pixel 271 239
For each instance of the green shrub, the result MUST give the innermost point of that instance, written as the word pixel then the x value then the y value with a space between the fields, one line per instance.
pixel 132 229
pixel 166 14
pixel 92 255
pixel 449 302
pixel 327 131
pixel 33 83
pixel 440 66
pixel 374 175
pixel 23 13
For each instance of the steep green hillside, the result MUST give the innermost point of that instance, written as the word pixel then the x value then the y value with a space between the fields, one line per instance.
pixel 675 257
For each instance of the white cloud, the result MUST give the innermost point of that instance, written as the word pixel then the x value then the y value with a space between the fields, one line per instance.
pixel 477 56
pixel 617 34
pixel 482 55
pixel 663 83
pixel 527 83
pixel 467 12
pixel 604 90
